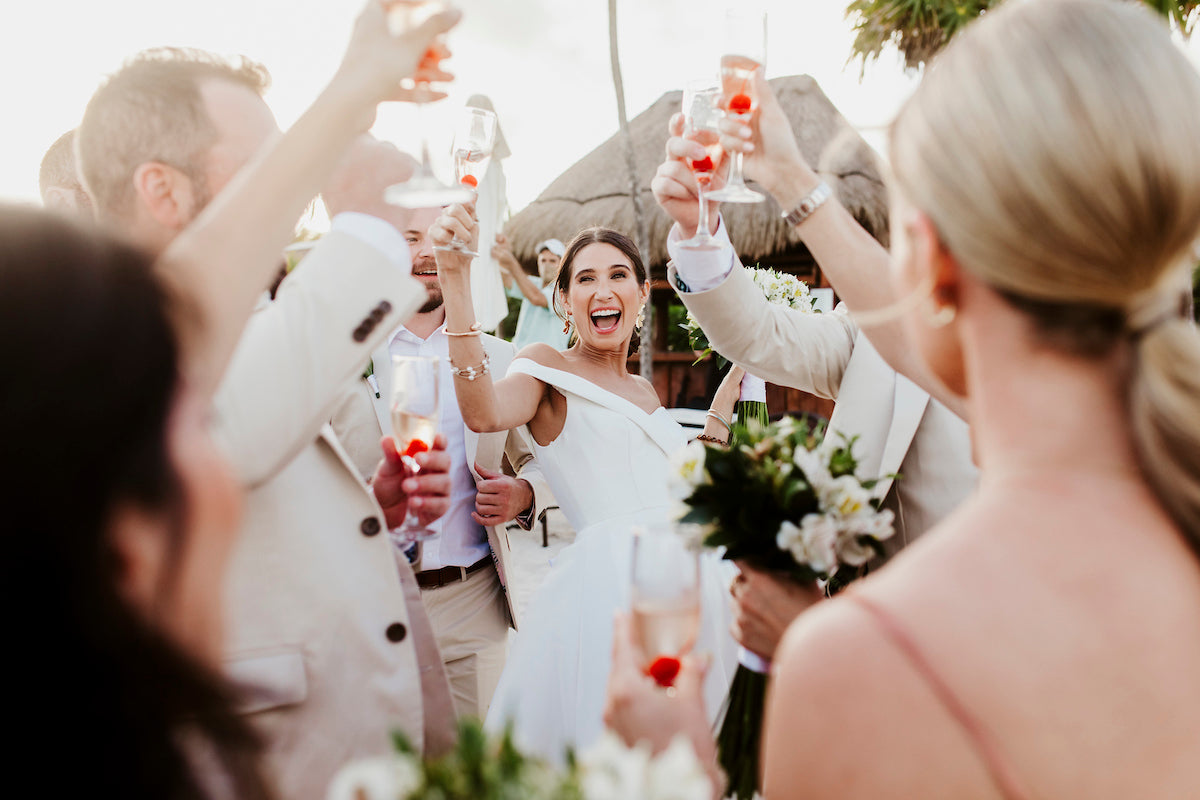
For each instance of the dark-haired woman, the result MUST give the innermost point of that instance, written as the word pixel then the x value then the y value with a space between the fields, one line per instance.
pixel 603 441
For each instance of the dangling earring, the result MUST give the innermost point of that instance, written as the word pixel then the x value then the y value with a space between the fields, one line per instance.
pixel 567 323
pixel 641 317
pixel 938 316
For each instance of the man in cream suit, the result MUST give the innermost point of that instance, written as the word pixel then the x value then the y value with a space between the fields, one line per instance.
pixel 463 571
pixel 901 429
pixel 326 636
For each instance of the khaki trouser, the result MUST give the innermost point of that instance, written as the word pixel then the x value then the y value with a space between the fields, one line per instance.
pixel 471 626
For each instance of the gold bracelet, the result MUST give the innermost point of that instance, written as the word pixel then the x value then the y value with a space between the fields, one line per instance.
pixel 474 330
pixel 720 419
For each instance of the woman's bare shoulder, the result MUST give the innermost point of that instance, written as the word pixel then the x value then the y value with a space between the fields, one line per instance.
pixel 648 388
pixel 543 354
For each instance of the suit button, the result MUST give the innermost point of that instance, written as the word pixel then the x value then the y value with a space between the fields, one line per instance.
pixel 370 526
pixel 384 307
pixel 396 632
pixel 361 333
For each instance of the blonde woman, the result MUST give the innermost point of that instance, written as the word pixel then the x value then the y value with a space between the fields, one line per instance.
pixel 1041 641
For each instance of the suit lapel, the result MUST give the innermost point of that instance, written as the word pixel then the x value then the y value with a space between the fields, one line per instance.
pixel 907 411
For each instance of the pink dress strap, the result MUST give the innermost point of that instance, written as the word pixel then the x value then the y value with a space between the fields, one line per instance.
pixel 984 743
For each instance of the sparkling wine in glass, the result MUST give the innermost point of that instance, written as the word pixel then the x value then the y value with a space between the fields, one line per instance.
pixel 701 114
pixel 665 600
pixel 414 410
pixel 474 139
pixel 423 190
pixel 745 51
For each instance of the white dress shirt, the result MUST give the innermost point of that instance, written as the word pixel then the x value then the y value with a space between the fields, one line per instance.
pixel 461 541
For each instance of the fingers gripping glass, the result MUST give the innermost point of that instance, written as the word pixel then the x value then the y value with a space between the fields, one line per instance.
pixel 474 139
pixel 665 592
pixel 701 115
pixel 423 190
pixel 414 405
pixel 745 52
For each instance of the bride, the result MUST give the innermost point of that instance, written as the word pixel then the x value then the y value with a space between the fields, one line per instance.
pixel 603 440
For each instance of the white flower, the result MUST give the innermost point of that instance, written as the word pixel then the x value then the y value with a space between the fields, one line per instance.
pixel 851 551
pixel 876 524
pixel 813 543
pixel 612 771
pixel 676 774
pixel 392 777
pixel 845 496
pixel 815 466
pixel 687 470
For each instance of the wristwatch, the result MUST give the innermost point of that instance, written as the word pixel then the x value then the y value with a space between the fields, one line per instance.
pixel 810 203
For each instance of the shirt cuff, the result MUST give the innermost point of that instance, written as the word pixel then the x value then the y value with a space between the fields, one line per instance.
pixel 377 233
pixel 701 270
pixel 525 519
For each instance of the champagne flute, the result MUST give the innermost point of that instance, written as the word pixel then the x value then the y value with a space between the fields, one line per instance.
pixel 701 113
pixel 423 190
pixel 665 592
pixel 414 408
pixel 473 141
pixel 745 51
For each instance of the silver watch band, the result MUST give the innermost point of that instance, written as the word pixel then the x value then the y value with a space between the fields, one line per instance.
pixel 810 203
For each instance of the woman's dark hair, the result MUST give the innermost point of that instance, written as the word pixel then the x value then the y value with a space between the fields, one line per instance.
pixel 589 236
pixel 89 378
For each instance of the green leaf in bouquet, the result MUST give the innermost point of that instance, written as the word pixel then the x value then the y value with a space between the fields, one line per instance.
pixel 402 744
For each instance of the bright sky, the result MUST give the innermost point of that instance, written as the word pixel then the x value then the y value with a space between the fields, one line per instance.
pixel 544 63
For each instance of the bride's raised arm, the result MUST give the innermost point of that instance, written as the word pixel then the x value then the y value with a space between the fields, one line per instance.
pixel 486 404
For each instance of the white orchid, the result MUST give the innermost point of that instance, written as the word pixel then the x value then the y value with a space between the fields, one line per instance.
pixel 845 496
pixel 813 542
pixel 612 771
pixel 687 470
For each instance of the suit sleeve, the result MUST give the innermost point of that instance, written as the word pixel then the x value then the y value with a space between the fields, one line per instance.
pixel 297 354
pixel 520 456
pixel 782 346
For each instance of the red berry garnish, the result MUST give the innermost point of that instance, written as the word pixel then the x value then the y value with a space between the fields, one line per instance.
pixel 739 103
pixel 702 164
pixel 664 669
pixel 470 180
pixel 414 447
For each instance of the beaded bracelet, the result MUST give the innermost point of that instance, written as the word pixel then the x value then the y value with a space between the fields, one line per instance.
pixel 471 373
pixel 704 437
pixel 474 330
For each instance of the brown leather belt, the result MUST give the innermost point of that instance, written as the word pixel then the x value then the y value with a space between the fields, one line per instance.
pixel 436 578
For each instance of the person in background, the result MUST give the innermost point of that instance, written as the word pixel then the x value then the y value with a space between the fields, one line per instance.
pixel 537 321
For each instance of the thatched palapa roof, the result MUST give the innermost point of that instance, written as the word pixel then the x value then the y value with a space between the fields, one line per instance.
pixel 595 191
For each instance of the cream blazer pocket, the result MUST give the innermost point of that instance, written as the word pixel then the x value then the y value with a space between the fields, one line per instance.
pixel 269 680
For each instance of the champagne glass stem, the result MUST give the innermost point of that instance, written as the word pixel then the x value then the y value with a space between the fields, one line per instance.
pixel 704 223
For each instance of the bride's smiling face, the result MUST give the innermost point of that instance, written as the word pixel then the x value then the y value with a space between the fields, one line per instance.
pixel 604 296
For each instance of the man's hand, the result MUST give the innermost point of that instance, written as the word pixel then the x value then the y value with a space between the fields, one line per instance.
pixel 771 156
pixel 367 169
pixel 764 606
pixel 499 498
pixel 396 487
pixel 502 252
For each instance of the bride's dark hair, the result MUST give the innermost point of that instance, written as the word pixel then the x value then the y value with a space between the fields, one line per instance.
pixel 91 374
pixel 589 236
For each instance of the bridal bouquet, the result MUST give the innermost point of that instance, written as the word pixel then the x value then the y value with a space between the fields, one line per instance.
pixel 789 502
pixel 494 768
pixel 780 289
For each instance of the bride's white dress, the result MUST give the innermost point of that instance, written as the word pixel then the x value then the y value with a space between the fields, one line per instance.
pixel 608 471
